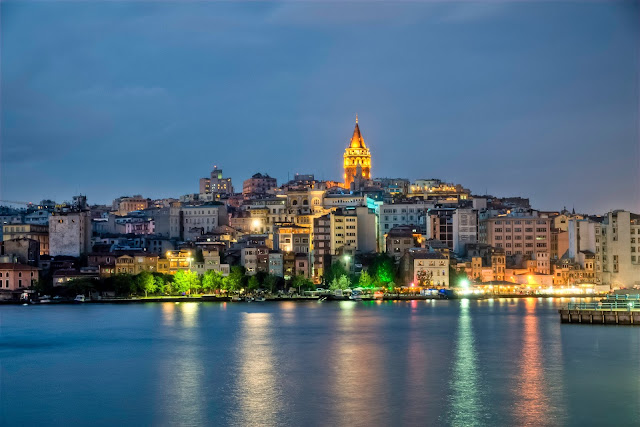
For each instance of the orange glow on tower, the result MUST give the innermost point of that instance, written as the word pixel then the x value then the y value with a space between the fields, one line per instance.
pixel 356 154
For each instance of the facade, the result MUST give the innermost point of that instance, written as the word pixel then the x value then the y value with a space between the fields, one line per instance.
pixel 276 261
pixel 15 277
pixel 400 239
pixel 201 219
pixel 465 229
pixel 321 245
pixel 356 154
pixel 618 249
pixel 23 250
pixel 70 233
pixel 124 205
pixel 517 235
pixel 37 232
pixel 136 264
pixel 418 262
pixel 257 185
pixel 216 184
pixel 40 217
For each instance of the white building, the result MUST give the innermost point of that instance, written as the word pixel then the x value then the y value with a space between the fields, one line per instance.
pixel 197 220
pixel 70 233
pixel 465 229
pixel 618 249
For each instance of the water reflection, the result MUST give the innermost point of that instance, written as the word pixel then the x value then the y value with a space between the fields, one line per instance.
pixel 356 363
pixel 258 395
pixel 180 382
pixel 466 406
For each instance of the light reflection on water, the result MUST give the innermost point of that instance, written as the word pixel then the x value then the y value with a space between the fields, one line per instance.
pixel 181 386
pixel 257 393
pixel 485 363
pixel 466 407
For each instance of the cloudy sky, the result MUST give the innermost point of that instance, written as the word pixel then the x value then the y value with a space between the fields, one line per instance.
pixel 518 99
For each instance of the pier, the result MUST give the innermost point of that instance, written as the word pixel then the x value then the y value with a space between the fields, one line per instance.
pixel 612 310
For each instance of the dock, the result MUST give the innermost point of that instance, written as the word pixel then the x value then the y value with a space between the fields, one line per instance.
pixel 611 310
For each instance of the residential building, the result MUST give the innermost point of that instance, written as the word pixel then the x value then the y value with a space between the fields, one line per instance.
pixel 618 249
pixel 465 229
pixel 137 263
pixel 200 219
pixel 37 232
pixel 402 238
pixel 16 277
pixel 258 185
pixel 124 205
pixel 216 184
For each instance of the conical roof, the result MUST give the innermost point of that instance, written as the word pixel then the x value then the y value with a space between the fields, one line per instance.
pixel 356 139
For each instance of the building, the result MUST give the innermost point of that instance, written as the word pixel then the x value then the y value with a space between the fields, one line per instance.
pixel 255 259
pixel 16 277
pixel 216 184
pixel 40 217
pixel 293 238
pixel 37 232
pixel 402 238
pixel 258 185
pixel 618 249
pixel 465 229
pixel 124 205
pixel 70 233
pixel 136 264
pixel 276 264
pixel 321 245
pixel 22 250
pixel 440 225
pixel 518 235
pixel 200 219
pixel 356 154
pixel 417 264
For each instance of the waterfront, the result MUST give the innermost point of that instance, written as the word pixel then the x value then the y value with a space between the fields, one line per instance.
pixel 458 362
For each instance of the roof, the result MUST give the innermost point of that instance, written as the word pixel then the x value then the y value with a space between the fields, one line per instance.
pixel 356 139
pixel 13 266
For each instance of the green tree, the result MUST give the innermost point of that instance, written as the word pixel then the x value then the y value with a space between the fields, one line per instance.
pixel 302 283
pixel 365 281
pixel 456 278
pixel 382 268
pixel 145 282
pixel 341 282
pixel 253 283
pixel 211 280
pixel 124 284
pixel 233 281
pixel 159 282
pixel 270 282
pixel 335 271
pixel 182 281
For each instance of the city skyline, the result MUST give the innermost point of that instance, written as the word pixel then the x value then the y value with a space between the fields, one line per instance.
pixel 108 117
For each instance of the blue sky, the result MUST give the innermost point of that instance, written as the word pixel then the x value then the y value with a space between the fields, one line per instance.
pixel 525 99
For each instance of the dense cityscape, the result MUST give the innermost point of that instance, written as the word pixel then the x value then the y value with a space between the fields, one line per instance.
pixel 382 235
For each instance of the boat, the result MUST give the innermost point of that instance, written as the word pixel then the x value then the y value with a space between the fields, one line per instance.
pixel 259 299
pixel 356 295
pixel 248 299
pixel 236 298
pixel 79 298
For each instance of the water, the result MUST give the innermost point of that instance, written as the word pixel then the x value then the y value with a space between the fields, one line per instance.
pixel 465 363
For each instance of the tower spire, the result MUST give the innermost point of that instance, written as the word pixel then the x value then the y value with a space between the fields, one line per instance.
pixel 356 118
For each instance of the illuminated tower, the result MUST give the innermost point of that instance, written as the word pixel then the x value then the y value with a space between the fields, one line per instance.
pixel 356 154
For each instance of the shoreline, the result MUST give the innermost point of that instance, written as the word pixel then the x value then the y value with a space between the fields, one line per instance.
pixel 212 298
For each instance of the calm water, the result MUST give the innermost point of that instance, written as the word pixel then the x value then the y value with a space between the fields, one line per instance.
pixel 467 363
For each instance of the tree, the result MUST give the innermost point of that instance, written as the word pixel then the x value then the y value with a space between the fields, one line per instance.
pixel 211 280
pixel 301 282
pixel 335 271
pixel 253 283
pixel 159 282
pixel 342 282
pixel 233 281
pixel 270 282
pixel 382 268
pixel 184 281
pixel 146 283
pixel 123 284
pixel 365 281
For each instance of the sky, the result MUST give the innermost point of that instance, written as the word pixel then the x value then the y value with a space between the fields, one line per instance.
pixel 537 100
